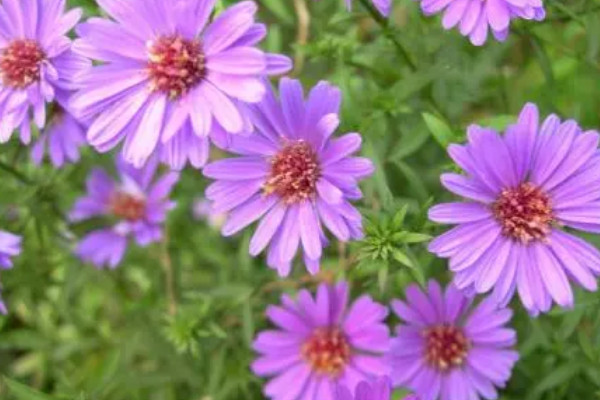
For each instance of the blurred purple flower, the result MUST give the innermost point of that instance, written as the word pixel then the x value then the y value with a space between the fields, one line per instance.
pixel 62 138
pixel 10 246
pixel 137 205
pixel 170 77
pixel 380 389
pixel 320 344
pixel 522 188
pixel 292 176
pixel 448 349
pixel 35 61
pixel 475 17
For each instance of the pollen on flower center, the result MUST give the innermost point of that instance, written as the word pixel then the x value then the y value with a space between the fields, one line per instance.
pixel 176 65
pixel 294 172
pixel 445 346
pixel 525 213
pixel 327 351
pixel 20 63
pixel 126 206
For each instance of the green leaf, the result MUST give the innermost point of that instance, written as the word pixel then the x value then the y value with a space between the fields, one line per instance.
pixel 558 376
pixel 439 129
pixel 402 258
pixel 23 392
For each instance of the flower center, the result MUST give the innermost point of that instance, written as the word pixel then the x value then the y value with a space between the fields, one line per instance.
pixel 20 63
pixel 327 351
pixel 445 346
pixel 176 65
pixel 125 206
pixel 525 213
pixel 294 172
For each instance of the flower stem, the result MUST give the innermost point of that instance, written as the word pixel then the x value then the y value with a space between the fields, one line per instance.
pixel 167 264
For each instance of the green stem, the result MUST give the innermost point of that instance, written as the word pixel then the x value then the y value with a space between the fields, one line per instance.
pixel 14 172
pixel 385 27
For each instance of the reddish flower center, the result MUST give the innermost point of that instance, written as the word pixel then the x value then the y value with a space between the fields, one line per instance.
pixel 20 63
pixel 445 346
pixel 294 172
pixel 176 65
pixel 126 206
pixel 525 213
pixel 327 351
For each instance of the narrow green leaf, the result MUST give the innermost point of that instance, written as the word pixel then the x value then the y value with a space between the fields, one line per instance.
pixel 23 392
pixel 439 129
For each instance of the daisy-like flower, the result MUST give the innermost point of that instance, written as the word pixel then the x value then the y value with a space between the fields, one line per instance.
pixel 449 349
pixel 136 206
pixel 474 18
pixel 10 246
pixel 168 76
pixel 321 345
pixel 521 189
pixel 292 176
pixel 35 61
pixel 62 138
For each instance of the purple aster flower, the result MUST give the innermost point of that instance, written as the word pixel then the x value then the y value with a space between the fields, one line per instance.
pixel 10 246
pixel 475 17
pixel 35 61
pixel 380 389
pixel 62 138
pixel 137 207
pixel 168 76
pixel 449 349
pixel 292 176
pixel 520 190
pixel 320 344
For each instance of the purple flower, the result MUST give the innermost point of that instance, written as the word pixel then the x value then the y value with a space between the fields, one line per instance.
pixel 474 17
pixel 521 189
pixel 447 348
pixel 292 176
pixel 62 138
pixel 168 76
pixel 35 61
pixel 10 246
pixel 136 205
pixel 379 389
pixel 320 344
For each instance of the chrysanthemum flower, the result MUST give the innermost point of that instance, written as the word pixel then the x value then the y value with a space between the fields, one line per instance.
pixel 35 61
pixel 292 176
pixel 475 17
pixel 136 206
pixel 449 349
pixel 320 344
pixel 169 76
pixel 522 189
pixel 10 246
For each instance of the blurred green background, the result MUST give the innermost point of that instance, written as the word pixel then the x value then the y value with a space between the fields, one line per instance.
pixel 74 332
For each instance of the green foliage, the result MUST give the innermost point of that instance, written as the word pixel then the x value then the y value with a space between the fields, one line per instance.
pixel 410 88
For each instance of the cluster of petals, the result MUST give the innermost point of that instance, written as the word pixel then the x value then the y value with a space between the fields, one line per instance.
pixel 520 191
pixel 36 62
pixel 168 79
pixel 292 175
pixel 476 18
pixel 322 344
pixel 135 207
pixel 10 246
pixel 447 348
